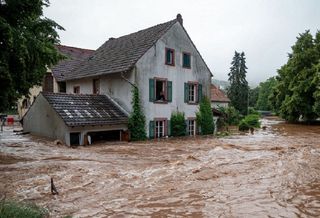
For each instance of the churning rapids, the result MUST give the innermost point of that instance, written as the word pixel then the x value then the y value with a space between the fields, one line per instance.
pixel 273 173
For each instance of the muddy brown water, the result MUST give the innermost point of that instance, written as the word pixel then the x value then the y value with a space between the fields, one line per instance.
pixel 273 173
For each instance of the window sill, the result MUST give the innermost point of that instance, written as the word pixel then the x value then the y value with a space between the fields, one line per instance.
pixel 172 65
pixel 189 68
pixel 192 103
pixel 160 102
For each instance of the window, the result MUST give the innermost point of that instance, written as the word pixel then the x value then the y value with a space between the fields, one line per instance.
pixel 160 130
pixel 62 87
pixel 192 93
pixel 169 56
pixel 96 86
pixel 160 90
pixel 76 89
pixel 159 127
pixel 186 60
pixel 191 127
pixel 161 94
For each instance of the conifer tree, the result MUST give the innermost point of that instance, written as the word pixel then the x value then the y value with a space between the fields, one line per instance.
pixel 238 90
pixel 137 120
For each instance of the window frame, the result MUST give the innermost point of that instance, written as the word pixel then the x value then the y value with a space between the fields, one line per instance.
pixel 165 80
pixel 95 88
pixel 76 89
pixel 186 53
pixel 192 119
pixel 173 56
pixel 164 127
pixel 195 93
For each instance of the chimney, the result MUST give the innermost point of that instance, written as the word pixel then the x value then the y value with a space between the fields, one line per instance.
pixel 179 19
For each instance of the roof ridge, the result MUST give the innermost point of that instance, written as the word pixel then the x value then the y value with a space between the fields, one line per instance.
pixel 67 46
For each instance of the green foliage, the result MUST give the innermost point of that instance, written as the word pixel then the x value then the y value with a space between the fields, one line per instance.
pixel 27 45
pixel 137 120
pixel 231 115
pixel 12 209
pixel 253 96
pixel 297 92
pixel 205 117
pixel 249 121
pixel 238 90
pixel 265 91
pixel 251 110
pixel 178 124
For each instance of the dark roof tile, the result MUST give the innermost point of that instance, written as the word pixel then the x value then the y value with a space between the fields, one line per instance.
pixel 74 57
pixel 120 54
pixel 83 110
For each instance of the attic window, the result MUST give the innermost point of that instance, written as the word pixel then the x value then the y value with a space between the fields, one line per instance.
pixel 169 56
pixel 186 60
pixel 76 89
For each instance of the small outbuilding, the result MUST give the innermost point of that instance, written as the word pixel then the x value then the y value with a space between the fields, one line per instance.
pixel 76 119
pixel 218 98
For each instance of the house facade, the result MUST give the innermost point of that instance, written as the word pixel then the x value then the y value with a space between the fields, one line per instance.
pixel 161 61
pixel 167 68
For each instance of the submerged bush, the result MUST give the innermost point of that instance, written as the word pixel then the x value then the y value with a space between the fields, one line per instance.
pixel 12 209
pixel 230 115
pixel 248 122
pixel 178 124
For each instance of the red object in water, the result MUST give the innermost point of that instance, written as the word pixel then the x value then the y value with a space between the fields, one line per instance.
pixel 10 120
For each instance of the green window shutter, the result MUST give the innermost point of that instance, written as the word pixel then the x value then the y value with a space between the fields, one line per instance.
pixel 186 60
pixel 151 90
pixel 186 92
pixel 169 127
pixel 187 127
pixel 199 92
pixel 151 129
pixel 169 91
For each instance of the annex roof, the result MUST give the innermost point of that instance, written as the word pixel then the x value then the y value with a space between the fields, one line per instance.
pixel 74 57
pixel 217 95
pixel 84 110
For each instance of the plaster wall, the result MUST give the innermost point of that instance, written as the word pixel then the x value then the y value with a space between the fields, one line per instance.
pixel 42 120
pixel 152 64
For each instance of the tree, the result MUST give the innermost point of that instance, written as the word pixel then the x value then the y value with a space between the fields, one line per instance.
pixel 205 117
pixel 253 96
pixel 137 120
pixel 27 45
pixel 265 91
pixel 238 90
pixel 178 124
pixel 296 94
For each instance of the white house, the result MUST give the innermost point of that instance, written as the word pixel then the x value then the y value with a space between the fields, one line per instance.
pixel 162 61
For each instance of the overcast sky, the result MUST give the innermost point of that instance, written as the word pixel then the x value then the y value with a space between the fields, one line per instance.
pixel 264 29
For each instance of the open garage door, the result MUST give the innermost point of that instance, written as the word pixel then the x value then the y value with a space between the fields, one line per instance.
pixel 95 137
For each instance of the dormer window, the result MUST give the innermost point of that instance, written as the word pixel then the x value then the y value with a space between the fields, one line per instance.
pixel 169 56
pixel 186 60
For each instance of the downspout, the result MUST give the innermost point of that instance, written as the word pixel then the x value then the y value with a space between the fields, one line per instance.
pixel 123 77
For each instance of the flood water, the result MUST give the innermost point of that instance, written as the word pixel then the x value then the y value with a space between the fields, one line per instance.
pixel 272 173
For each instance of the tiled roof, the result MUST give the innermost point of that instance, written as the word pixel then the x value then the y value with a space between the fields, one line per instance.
pixel 217 95
pixel 74 57
pixel 120 54
pixel 83 110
